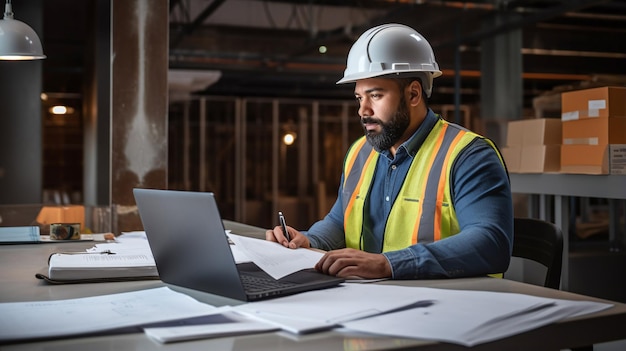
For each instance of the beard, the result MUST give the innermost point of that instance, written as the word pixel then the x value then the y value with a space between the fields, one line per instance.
pixel 391 131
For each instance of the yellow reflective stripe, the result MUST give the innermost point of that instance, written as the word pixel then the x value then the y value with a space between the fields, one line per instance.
pixel 443 185
pixel 352 155
pixel 433 155
pixel 353 222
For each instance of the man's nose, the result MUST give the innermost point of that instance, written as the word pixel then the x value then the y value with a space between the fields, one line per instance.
pixel 365 109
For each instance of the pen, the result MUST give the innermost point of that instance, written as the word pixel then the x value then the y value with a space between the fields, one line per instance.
pixel 105 252
pixel 283 224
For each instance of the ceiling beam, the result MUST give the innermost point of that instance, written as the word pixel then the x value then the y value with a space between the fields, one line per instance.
pixel 188 29
pixel 515 23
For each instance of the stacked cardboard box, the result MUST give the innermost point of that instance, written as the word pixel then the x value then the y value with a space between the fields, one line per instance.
pixel 533 145
pixel 60 214
pixel 594 131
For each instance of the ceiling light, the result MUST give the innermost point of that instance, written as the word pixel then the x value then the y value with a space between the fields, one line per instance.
pixel 289 138
pixel 18 41
pixel 61 110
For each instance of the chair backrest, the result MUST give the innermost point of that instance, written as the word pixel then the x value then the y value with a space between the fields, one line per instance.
pixel 542 242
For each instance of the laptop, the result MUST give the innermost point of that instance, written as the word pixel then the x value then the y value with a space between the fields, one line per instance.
pixel 191 250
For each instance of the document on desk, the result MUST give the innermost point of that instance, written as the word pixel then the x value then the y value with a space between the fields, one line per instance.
pixel 271 256
pixel 43 319
pixel 323 309
pixel 473 317
pixel 224 324
pixel 127 243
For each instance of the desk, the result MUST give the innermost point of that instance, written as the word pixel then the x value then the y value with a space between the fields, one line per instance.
pixel 17 283
pixel 563 186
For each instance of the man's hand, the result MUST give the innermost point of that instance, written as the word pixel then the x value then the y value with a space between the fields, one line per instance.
pixel 354 263
pixel 297 239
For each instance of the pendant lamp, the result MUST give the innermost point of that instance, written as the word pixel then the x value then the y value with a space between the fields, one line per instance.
pixel 18 41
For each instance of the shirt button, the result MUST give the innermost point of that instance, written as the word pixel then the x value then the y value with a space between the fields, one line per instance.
pixel 393 166
pixel 387 198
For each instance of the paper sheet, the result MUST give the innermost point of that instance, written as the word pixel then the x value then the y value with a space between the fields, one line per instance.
pixel 323 309
pixel 473 317
pixel 127 243
pixel 40 319
pixel 275 259
pixel 226 324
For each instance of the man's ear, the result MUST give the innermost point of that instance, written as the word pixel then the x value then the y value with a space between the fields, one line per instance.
pixel 415 93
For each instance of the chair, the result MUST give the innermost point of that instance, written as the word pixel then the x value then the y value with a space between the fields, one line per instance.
pixel 542 242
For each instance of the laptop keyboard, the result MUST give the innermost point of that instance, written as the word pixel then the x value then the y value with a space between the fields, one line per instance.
pixel 254 283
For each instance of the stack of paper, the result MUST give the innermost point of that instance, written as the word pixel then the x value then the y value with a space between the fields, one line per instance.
pixel 332 306
pixel 473 317
pixel 456 316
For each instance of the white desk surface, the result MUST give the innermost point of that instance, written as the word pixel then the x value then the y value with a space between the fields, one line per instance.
pixel 18 283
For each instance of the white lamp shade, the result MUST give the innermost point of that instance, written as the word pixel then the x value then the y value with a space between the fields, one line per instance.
pixel 18 41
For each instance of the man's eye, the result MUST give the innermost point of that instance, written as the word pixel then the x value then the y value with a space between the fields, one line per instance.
pixel 358 98
pixel 375 96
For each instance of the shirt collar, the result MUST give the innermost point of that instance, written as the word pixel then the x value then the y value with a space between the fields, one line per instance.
pixel 412 145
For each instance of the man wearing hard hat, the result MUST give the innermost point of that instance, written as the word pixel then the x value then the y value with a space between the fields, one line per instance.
pixel 420 197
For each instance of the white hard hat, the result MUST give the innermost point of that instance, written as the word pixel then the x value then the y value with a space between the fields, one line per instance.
pixel 392 49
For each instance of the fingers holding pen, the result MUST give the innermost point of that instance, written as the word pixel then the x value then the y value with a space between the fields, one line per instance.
pixel 297 239
pixel 277 235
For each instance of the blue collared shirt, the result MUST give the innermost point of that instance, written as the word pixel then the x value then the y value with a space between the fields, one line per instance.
pixel 482 200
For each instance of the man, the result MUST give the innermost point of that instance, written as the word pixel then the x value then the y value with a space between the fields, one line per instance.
pixel 419 197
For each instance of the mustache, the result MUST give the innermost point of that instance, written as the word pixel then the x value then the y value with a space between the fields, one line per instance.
pixel 365 120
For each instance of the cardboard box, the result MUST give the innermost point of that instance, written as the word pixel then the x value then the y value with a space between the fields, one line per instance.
pixel 61 214
pixel 512 157
pixel 540 158
pixel 542 131
pixel 600 102
pixel 595 131
pixel 514 133
pixel 537 131
pixel 594 159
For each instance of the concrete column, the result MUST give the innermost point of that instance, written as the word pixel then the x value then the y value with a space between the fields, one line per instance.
pixel 501 79
pixel 139 65
pixel 97 110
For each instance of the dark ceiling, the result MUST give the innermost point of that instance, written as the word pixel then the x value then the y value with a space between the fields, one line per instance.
pixel 271 48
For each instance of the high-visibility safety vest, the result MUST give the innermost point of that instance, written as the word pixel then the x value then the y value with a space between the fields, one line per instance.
pixel 423 210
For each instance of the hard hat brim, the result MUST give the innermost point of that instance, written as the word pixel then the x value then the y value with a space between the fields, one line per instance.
pixel 385 74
